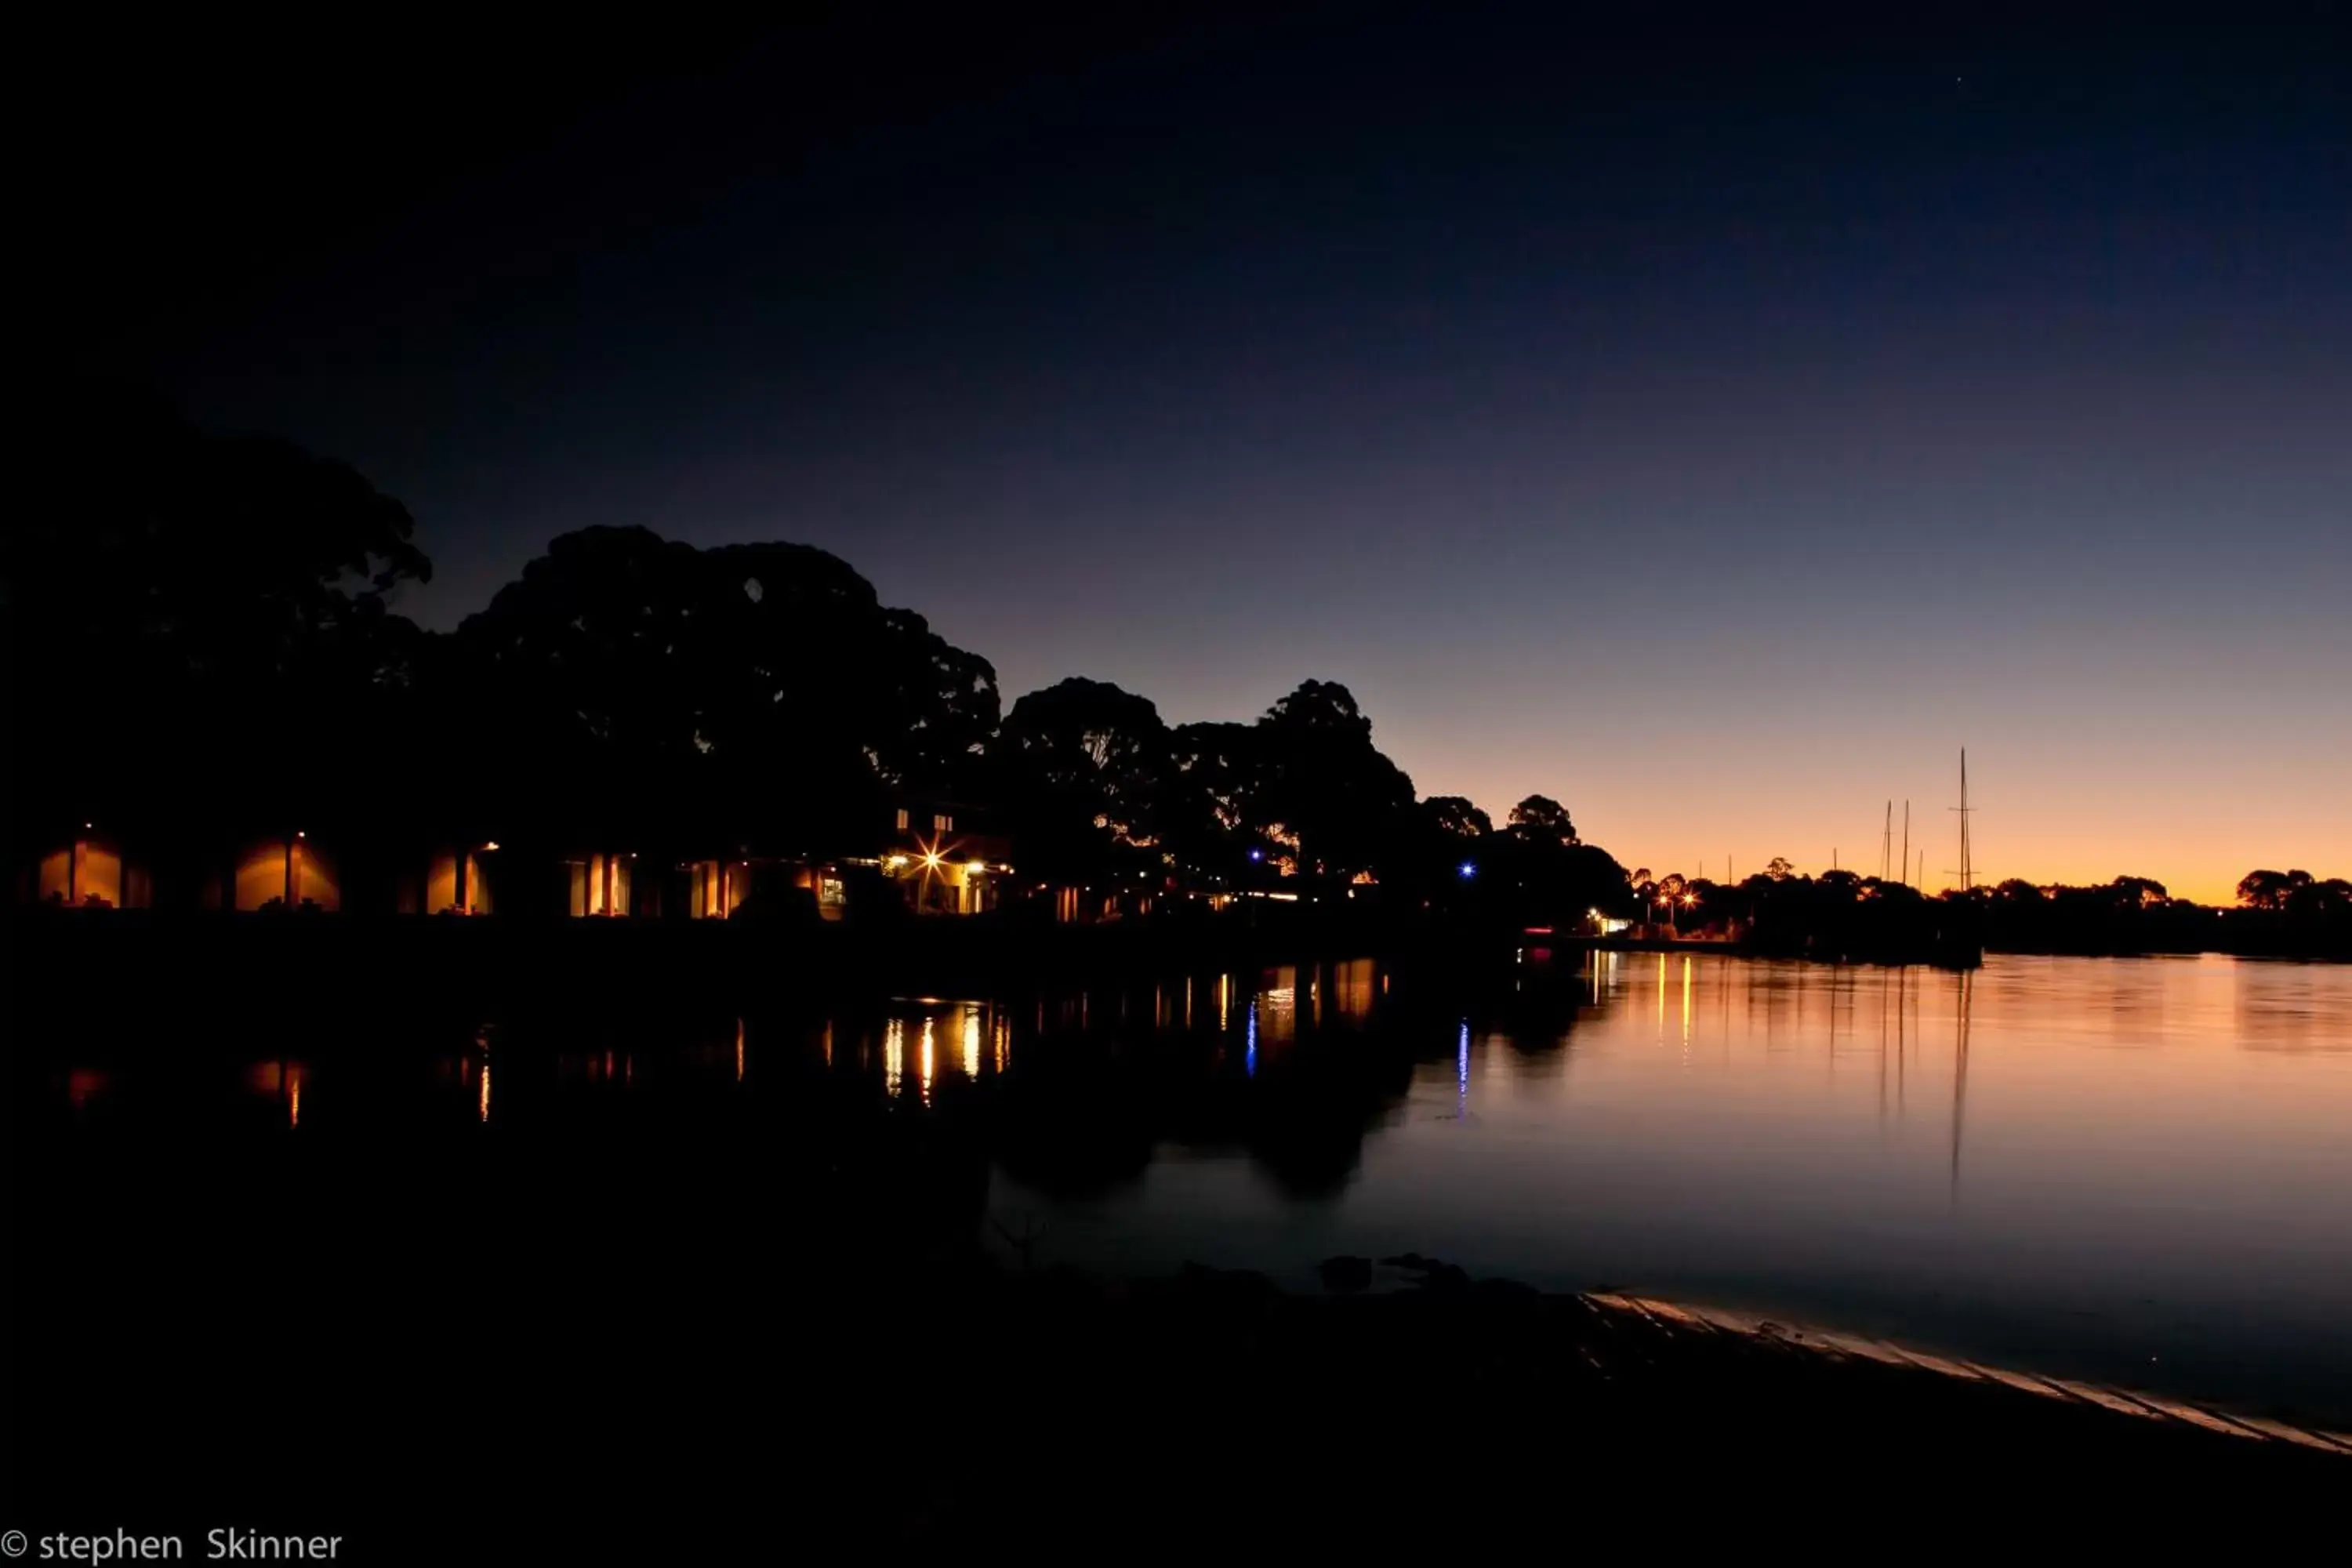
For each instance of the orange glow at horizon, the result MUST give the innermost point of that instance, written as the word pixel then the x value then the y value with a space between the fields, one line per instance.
pixel 2195 824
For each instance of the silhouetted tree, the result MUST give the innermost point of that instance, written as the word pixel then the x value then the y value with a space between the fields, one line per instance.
pixel 2269 890
pixel 209 618
pixel 1541 820
pixel 1321 777
pixel 628 684
pixel 1456 818
pixel 1082 766
pixel 1209 802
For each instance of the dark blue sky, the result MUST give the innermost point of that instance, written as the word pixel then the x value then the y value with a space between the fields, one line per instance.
pixel 1712 423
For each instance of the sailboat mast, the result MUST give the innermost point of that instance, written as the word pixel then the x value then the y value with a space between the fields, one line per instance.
pixel 1968 865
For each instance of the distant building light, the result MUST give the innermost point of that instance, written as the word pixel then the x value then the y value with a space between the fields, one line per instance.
pixel 487 848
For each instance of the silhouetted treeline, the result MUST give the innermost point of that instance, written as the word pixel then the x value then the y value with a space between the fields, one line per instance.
pixel 200 646
pixel 1843 913
pixel 202 650
pixel 1098 789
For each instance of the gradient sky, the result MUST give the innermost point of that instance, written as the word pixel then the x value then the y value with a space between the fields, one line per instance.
pixel 1713 425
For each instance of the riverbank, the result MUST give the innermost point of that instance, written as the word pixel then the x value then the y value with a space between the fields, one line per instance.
pixel 957 1405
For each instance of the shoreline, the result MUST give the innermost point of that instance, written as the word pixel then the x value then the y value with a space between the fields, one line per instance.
pixel 167 961
pixel 951 1399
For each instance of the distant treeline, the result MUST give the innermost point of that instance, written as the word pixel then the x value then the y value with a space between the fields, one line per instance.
pixel 2286 914
pixel 201 647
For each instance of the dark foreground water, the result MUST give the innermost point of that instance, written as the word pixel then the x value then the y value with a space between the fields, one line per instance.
pixel 2134 1169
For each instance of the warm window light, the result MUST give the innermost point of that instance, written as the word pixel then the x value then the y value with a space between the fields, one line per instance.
pixel 299 834
pixel 493 844
pixel 975 868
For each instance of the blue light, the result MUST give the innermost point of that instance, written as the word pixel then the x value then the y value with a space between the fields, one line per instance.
pixel 1462 1073
pixel 1257 854
pixel 1469 869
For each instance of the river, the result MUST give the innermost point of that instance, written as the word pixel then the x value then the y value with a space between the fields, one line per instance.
pixel 2137 1170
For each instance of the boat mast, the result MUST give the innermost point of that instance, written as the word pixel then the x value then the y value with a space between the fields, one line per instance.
pixel 1968 865
pixel 1967 872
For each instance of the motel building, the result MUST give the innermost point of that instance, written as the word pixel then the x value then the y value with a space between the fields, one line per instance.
pixel 85 870
pixel 943 858
pixel 936 859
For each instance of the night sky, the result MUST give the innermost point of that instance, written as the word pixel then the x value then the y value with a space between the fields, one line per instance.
pixel 1714 425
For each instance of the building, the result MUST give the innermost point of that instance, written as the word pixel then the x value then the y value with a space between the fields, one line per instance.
pixel 289 873
pixel 89 871
pixel 450 881
pixel 943 858
pixel 928 856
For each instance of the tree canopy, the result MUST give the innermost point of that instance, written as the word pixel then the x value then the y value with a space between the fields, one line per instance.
pixel 1081 767
pixel 224 607
pixel 1539 819
pixel 215 610
pixel 762 689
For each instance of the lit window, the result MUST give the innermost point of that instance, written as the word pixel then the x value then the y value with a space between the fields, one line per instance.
pixel 902 819
pixel 942 824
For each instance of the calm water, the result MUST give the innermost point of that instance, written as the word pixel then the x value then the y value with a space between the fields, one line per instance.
pixel 2140 1169
pixel 2136 1169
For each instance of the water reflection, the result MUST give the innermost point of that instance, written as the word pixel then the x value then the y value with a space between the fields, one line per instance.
pixel 1967 989
pixel 2151 1148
